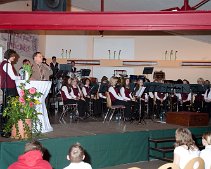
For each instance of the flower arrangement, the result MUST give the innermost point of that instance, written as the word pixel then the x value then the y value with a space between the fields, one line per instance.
pixel 23 107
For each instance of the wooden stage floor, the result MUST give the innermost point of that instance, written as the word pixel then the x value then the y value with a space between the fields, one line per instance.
pixel 96 126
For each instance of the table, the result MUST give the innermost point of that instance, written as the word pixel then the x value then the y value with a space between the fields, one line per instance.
pixel 44 88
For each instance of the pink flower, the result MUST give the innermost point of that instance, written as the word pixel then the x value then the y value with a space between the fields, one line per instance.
pixel 31 104
pixel 21 99
pixel 22 93
pixel 32 90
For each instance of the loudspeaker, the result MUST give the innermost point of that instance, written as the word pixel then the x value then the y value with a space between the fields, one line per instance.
pixel 48 5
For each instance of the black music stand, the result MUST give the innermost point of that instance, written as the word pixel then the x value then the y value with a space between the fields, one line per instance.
pixel 64 69
pixel 182 88
pixel 197 88
pixel 148 70
pixel 85 72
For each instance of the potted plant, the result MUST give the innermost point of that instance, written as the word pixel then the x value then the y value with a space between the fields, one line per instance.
pixel 22 114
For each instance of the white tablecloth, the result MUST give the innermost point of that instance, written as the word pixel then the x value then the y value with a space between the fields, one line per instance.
pixel 44 88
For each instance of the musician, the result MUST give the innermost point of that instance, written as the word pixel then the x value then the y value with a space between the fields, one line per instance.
pixel 91 97
pixel 40 71
pixel 161 101
pixel 117 99
pixel 184 99
pixel 141 96
pixel 199 97
pixel 54 66
pixel 8 73
pixel 102 92
pixel 126 94
pixel 72 94
pixel 207 98
pixel 73 68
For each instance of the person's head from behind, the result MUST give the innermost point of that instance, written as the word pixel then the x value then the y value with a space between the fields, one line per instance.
pixel 10 55
pixel 184 137
pixel 76 153
pixel 33 145
pixel 206 139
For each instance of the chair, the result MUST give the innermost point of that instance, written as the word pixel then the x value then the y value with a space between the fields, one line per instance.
pixel 196 163
pixel 72 108
pixel 134 168
pixel 112 108
pixel 169 165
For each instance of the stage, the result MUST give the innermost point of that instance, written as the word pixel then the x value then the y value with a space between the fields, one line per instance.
pixel 106 144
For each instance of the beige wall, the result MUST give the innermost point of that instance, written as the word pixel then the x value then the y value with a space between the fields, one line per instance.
pixel 153 48
pixel 16 6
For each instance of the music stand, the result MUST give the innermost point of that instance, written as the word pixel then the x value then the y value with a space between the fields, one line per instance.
pixel 197 88
pixel 182 88
pixel 63 70
pixel 148 70
pixel 85 72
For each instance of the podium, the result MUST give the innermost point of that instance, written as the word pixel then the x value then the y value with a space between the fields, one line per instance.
pixel 43 87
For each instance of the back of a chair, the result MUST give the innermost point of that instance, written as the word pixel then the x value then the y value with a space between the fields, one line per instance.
pixel 196 163
pixel 134 168
pixel 168 166
pixel 108 99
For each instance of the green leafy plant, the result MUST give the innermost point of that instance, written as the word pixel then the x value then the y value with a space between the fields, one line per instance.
pixel 27 68
pixel 23 107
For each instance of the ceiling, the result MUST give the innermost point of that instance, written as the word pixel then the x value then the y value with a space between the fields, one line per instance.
pixel 128 5
pixel 135 5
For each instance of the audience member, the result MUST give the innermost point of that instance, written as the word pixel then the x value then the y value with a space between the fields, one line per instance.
pixel 32 158
pixel 185 148
pixel 76 156
pixel 206 153
pixel 44 61
pixel 54 66
pixel 73 68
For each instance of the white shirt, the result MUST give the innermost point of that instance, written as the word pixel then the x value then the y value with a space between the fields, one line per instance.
pixel 122 92
pixel 207 97
pixel 81 165
pixel 206 156
pixel 185 155
pixel 10 71
pixel 113 92
pixel 67 94
pixel 180 96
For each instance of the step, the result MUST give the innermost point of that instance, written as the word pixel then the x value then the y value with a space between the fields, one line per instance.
pixel 163 149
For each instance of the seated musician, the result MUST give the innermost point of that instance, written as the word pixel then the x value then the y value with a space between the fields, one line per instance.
pixel 207 98
pixel 102 90
pixel 126 94
pixel 199 97
pixel 141 97
pixel 71 94
pixel 184 99
pixel 116 99
pixel 91 97
pixel 161 101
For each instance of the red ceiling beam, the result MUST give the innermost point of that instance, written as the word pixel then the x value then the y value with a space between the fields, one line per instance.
pixel 162 20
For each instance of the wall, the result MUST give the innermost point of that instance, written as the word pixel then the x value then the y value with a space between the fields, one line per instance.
pixel 146 48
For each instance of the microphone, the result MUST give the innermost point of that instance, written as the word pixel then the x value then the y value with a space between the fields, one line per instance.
pixel 175 55
pixel 109 53
pixel 119 54
pixel 166 54
pixel 171 53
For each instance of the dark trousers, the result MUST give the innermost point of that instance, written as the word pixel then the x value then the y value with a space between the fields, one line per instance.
pixel 93 105
pixel 161 107
pixel 81 106
pixel 208 108
pixel 127 105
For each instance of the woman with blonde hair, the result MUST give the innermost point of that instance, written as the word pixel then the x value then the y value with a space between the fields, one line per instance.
pixel 185 148
pixel 117 99
pixel 206 153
